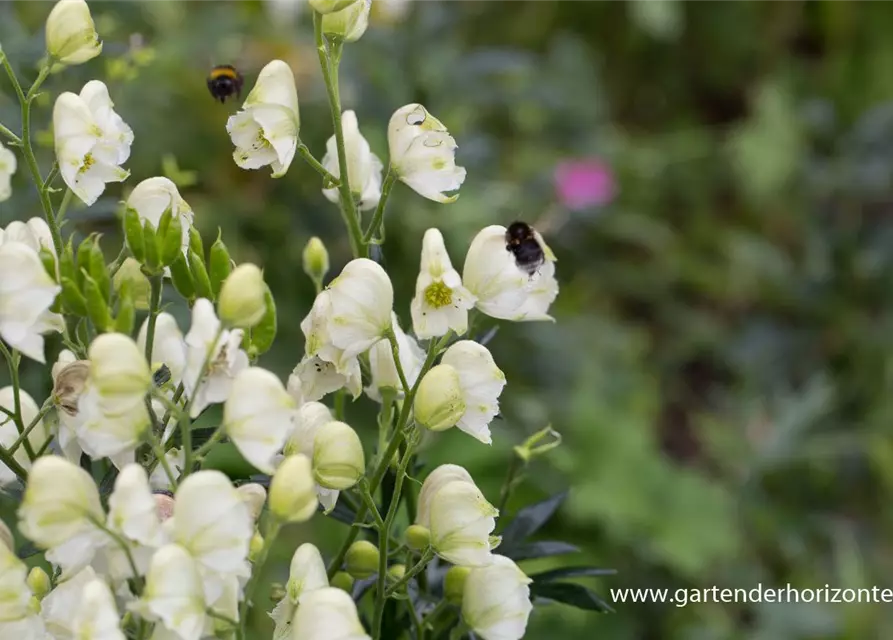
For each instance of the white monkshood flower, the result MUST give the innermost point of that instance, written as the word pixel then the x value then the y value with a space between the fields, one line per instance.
pixel 213 523
pixel 153 196
pixel 69 381
pixel 7 169
pixel 496 602
pixel 18 613
pixel 309 419
pixel 265 130
pixel 9 433
pixel 317 378
pixel 350 23
pixel 439 401
pixel 481 382
pixel 381 363
pixel 59 513
pixel 168 346
pixel 441 302
pixel 241 301
pixel 257 416
pixel 92 141
pixel 423 153
pixel 70 34
pixel 59 608
pixel 292 490
pixel 26 294
pixel 306 573
pixel 96 617
pixel 115 418
pixel 327 614
pixel 226 361
pixel 330 6
pixel 363 167
pixel 173 594
pixel 459 517
pixel 35 233
pixel 255 496
pixel 503 289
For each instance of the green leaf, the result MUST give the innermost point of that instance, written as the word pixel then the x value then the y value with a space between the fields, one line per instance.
pixel 531 518
pixel 543 549
pixel 575 595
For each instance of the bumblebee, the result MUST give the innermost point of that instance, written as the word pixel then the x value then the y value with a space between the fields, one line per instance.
pixel 521 241
pixel 224 81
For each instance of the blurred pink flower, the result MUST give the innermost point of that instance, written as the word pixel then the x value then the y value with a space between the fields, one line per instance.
pixel 584 183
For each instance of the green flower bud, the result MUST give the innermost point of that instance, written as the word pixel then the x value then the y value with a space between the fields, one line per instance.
pixel 343 580
pixel 39 582
pixel 48 258
pixel 181 277
pixel 98 270
pixel 338 460
pixel 200 279
pixel 220 265
pixel 82 266
pixel 396 572
pixel 350 23
pixel 264 332
pixel 439 402
pixel 195 242
pixel 329 6
pixel 316 260
pixel 256 546
pixel 151 245
pixel 171 240
pixel 72 298
pixel 70 33
pixel 241 302
pixel 126 317
pixel 417 537
pixel 66 261
pixel 361 560
pixel 133 234
pixel 292 490
pixel 131 274
pixel 97 307
pixel 454 584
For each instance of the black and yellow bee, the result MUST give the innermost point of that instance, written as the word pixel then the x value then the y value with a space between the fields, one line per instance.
pixel 224 81
pixel 521 241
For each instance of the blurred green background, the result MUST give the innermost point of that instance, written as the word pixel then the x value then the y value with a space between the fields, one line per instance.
pixel 721 364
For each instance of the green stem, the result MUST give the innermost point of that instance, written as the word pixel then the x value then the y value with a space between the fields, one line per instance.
pixel 416 621
pixel 186 421
pixel 116 265
pixel 158 450
pixel 45 409
pixel 369 501
pixel 339 405
pixel 417 568
pixel 329 64
pixel 428 620
pixel 251 587
pixel 389 180
pixel 9 134
pixel 12 361
pixel 63 206
pixel 508 483
pixel 156 282
pixel 13 464
pixel 216 437
pixel 328 178
pixel 395 351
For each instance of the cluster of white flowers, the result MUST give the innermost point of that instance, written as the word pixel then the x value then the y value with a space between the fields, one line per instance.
pixel 175 551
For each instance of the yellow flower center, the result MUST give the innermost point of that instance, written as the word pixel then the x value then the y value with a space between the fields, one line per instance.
pixel 438 295
pixel 88 162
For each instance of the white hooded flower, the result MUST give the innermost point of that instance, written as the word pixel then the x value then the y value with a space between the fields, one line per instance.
pixel 496 602
pixel 265 131
pixel 92 141
pixel 70 34
pixel 69 381
pixel 382 366
pixel 503 289
pixel 18 616
pixel 324 369
pixel 292 490
pixel 306 573
pixel 226 361
pixel 330 6
pixel 363 167
pixel 96 618
pixel 308 420
pixel 168 345
pixel 153 196
pixel 242 297
pixel 423 153
pixel 59 513
pixel 441 303
pixel 26 294
pixel 481 382
pixel 350 23
pixel 327 614
pixel 257 416
pixel 59 608
pixel 34 233
pixel 9 433
pixel 173 594
pixel 459 517
pixel 7 169
pixel 213 523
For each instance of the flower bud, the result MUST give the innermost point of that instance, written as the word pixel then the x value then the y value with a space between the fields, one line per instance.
pixel 6 538
pixel 200 280
pixel 70 34
pixel 417 537
pixel 362 559
pixel 164 506
pixel 396 572
pixel 181 277
pixel 350 23
pixel 454 584
pixel 316 260
pixel 292 490
pixel 497 600
pixel 69 384
pixel 330 6
pixel 343 580
pixel 241 301
pixel 264 332
pixel 140 288
pixel 39 582
pixel 338 461
pixel 255 547
pixel 439 401
pixel 254 496
pixel 220 265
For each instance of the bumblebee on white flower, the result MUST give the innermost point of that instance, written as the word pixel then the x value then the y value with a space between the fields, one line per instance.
pixel 265 130
pixel 441 303
pixel 7 170
pixel 92 141
pixel 363 167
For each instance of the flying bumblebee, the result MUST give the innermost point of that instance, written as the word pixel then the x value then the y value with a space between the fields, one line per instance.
pixel 224 81
pixel 521 241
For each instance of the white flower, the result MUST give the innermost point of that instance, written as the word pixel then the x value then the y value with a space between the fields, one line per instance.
pixel 69 381
pixel 59 512
pixel 92 141
pixel 214 524
pixel 363 167
pixel 327 614
pixel 153 196
pixel 338 461
pixel 173 594
pixel 439 402
pixel 459 517
pixel 96 617
pixel 168 346
pixel 70 35
pixel 381 363
pixel 496 602
pixel 292 490
pixel 441 302
pixel 306 573
pixel 309 419
pixel 330 6
pixel 59 608
pixel 9 433
pixel 35 233
pixel 481 382
pixel 502 288
pixel 350 23
pixel 241 301
pixel 423 153
pixel 226 361
pixel 317 378
pixel 255 496
pixel 7 169
pixel 257 416
pixel 26 294
pixel 18 616
pixel 265 131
